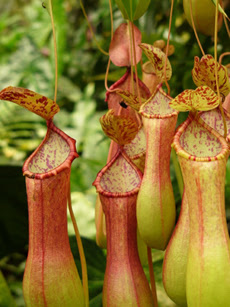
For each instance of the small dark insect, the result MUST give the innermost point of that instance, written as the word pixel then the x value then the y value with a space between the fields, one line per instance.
pixel 43 5
pixel 123 105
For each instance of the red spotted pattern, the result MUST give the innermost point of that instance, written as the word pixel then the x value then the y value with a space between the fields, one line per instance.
pixel 202 99
pixel 157 59
pixel 203 73
pixel 30 100
pixel 121 129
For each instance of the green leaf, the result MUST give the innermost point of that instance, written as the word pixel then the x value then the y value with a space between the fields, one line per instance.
pixel 122 8
pixel 60 21
pixel 130 6
pixel 132 9
pixel 5 296
pixel 141 8
pixel 46 5
pixel 220 9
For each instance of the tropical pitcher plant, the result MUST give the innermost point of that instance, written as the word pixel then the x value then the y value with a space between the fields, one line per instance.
pixel 135 208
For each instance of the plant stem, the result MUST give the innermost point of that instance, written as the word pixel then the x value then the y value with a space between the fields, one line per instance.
pixel 111 17
pixel 135 61
pixel 136 74
pixel 131 57
pixel 81 252
pixel 91 29
pixel 194 28
pixel 167 47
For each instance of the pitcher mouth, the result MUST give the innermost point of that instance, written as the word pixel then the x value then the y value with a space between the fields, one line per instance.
pixel 222 151
pixel 136 183
pixel 158 110
pixel 48 167
pixel 215 121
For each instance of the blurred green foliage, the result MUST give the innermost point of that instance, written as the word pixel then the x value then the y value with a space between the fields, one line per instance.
pixel 27 60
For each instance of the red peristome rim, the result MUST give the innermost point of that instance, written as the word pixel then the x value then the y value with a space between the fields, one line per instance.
pixel 139 155
pixel 158 88
pixel 181 152
pixel 66 164
pixel 100 190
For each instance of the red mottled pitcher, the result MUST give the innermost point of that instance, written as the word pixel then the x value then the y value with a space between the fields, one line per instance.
pixel 51 277
pixel 125 283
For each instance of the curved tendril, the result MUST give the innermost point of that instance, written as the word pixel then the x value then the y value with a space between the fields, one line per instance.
pixel 111 17
pixel 222 56
pixel 106 79
pixel 91 29
pixel 55 51
pixel 194 28
pixel 109 61
pixel 135 67
pixel 167 48
pixel 216 68
pixel 131 56
pixel 81 252
pixel 152 278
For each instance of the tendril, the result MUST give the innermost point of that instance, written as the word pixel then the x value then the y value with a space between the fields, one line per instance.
pixel 194 28
pixel 91 29
pixel 216 68
pixel 167 48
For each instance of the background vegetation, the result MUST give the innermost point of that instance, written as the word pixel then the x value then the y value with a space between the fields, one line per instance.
pixel 26 60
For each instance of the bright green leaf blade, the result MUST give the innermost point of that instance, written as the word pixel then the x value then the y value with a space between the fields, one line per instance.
pixel 141 8
pixel 130 6
pixel 132 9
pixel 60 21
pixel 5 296
pixel 220 9
pixel 46 5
